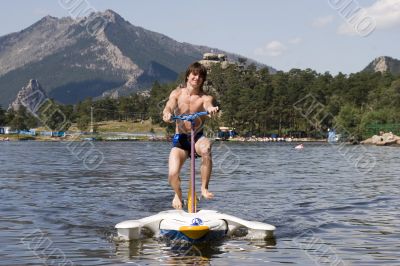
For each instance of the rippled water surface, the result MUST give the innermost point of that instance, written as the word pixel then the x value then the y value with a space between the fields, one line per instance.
pixel 327 207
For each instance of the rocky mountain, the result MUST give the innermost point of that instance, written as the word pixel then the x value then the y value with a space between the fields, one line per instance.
pixel 72 61
pixel 31 96
pixel 383 64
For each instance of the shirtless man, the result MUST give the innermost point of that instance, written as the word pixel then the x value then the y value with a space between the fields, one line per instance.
pixel 189 99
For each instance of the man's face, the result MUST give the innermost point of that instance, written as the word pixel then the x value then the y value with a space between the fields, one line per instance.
pixel 195 80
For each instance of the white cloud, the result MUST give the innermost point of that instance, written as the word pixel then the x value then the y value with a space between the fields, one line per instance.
pixel 322 21
pixel 274 48
pixel 380 15
pixel 296 40
pixel 385 12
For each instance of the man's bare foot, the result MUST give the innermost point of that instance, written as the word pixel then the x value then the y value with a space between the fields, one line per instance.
pixel 206 194
pixel 177 202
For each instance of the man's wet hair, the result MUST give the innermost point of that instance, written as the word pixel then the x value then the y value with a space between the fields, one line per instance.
pixel 196 68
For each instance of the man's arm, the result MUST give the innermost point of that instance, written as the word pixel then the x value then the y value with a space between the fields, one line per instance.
pixel 170 106
pixel 209 106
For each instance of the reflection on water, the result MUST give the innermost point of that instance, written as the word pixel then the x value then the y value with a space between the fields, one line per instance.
pixel 179 253
pixel 54 211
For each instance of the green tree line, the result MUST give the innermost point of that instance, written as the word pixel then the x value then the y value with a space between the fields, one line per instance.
pixel 58 117
pixel 253 101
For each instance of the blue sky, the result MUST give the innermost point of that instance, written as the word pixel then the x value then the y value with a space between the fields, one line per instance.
pixel 322 35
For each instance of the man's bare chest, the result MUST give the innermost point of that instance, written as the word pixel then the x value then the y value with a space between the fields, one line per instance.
pixel 190 103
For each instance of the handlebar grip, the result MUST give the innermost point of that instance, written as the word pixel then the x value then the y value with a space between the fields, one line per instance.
pixel 189 117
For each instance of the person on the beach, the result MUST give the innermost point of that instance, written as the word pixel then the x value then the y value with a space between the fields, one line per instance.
pixel 188 99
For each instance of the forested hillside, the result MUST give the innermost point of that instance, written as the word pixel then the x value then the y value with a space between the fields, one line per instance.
pixel 255 102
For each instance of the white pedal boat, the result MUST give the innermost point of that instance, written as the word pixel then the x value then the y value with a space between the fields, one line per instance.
pixel 202 226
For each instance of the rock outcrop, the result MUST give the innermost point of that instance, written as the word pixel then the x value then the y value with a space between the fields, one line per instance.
pixel 384 64
pixel 31 96
pixel 381 64
pixel 383 139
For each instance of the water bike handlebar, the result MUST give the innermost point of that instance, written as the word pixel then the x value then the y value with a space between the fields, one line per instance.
pixel 189 117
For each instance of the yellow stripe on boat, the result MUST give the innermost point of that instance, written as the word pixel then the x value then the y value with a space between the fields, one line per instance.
pixel 189 203
pixel 194 231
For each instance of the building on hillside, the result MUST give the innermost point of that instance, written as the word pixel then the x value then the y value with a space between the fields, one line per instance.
pixel 209 59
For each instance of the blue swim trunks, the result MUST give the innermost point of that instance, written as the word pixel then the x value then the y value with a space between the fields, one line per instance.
pixel 182 141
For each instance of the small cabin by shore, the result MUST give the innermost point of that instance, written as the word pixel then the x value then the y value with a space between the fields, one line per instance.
pixel 5 130
pixel 225 133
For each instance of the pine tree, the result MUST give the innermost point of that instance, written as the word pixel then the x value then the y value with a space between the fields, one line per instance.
pixel 2 116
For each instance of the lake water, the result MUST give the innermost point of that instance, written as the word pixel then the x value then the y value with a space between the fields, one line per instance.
pixel 332 205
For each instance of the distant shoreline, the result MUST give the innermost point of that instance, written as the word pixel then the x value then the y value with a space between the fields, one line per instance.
pixel 99 138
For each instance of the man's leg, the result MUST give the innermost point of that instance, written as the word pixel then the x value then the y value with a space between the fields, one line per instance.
pixel 203 148
pixel 177 157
